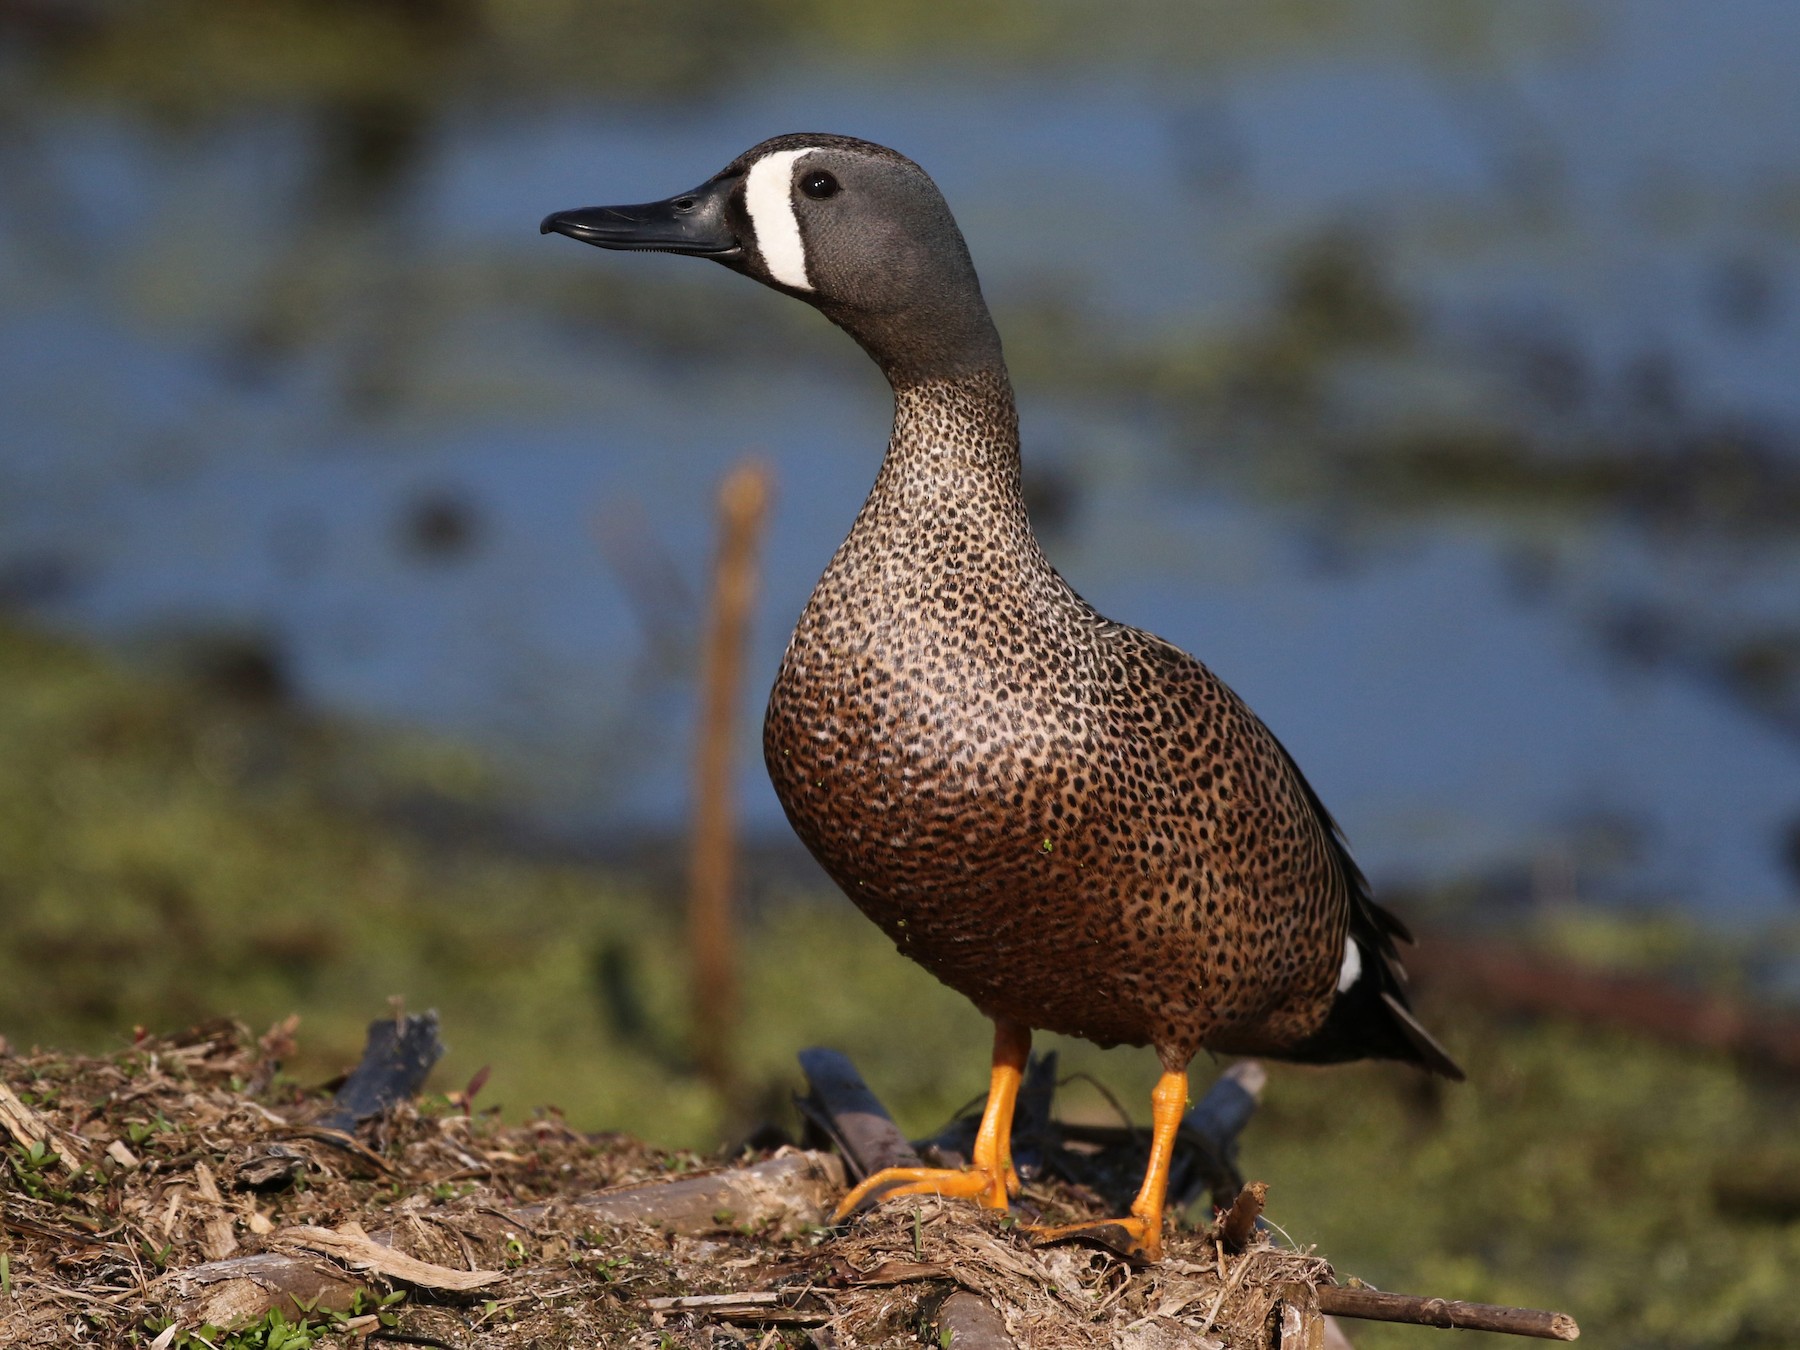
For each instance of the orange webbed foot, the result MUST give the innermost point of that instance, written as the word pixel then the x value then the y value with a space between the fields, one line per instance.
pixel 990 1180
pixel 1136 1239
pixel 1138 1236
pixel 988 1189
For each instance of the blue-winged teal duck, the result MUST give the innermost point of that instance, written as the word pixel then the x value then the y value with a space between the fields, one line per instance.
pixel 1072 822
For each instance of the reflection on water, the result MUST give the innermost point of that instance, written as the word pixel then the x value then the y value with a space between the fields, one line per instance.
pixel 1446 408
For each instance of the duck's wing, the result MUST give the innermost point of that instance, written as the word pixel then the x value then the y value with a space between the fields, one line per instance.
pixel 1371 1015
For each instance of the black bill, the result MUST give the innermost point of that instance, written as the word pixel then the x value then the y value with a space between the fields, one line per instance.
pixel 695 222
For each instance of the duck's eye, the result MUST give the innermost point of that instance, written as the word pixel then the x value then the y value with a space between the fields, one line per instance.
pixel 819 185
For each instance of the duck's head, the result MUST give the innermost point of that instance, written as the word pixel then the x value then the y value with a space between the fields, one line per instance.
pixel 853 228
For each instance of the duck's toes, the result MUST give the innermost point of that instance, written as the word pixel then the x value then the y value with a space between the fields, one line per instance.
pixel 988 1189
pixel 1136 1239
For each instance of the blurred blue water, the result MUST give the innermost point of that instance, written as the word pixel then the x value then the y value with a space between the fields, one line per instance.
pixel 1609 193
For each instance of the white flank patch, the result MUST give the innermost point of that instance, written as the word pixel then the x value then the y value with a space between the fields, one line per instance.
pixel 769 197
pixel 1352 967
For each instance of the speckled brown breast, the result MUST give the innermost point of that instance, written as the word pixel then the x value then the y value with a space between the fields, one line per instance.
pixel 1070 821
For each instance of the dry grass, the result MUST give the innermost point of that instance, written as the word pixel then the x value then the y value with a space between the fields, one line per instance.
pixel 1065 1297
pixel 185 1151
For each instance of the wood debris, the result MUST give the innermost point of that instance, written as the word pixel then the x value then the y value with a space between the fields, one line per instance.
pixel 357 1250
pixel 1377 1306
pixel 32 1131
pixel 194 1204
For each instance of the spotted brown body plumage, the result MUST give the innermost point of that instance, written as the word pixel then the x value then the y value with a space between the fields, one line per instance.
pixel 1069 820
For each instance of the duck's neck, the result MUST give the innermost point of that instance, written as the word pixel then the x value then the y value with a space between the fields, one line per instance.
pixel 955 448
pixel 943 538
pixel 947 499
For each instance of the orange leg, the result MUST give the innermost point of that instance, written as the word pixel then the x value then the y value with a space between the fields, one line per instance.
pixel 990 1179
pixel 1140 1234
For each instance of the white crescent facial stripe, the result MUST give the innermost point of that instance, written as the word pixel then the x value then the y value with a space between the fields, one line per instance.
pixel 769 198
pixel 1352 965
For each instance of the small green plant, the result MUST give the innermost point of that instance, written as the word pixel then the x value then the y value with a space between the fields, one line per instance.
pixel 608 1267
pixel 137 1131
pixel 384 1308
pixel 361 1304
pixel 273 1332
pixel 32 1164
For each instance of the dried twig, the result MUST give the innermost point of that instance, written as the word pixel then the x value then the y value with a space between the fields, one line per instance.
pixel 244 1289
pixel 1372 1305
pixel 763 1298
pixel 743 498
pixel 899 1272
pixel 1238 1226
pixel 768 1306
pixel 785 1192
pixel 359 1251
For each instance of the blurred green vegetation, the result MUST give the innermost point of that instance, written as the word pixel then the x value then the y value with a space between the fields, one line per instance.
pixel 177 844
pixel 191 61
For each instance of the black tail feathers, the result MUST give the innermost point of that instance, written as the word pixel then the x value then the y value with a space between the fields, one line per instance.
pixel 1371 1017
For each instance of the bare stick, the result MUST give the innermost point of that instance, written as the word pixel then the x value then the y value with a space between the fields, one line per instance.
pixel 353 1247
pixel 1302 1323
pixel 972 1323
pixel 1372 1305
pixel 743 498
pixel 761 1298
pixel 244 1289
pixel 776 1307
pixel 787 1192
